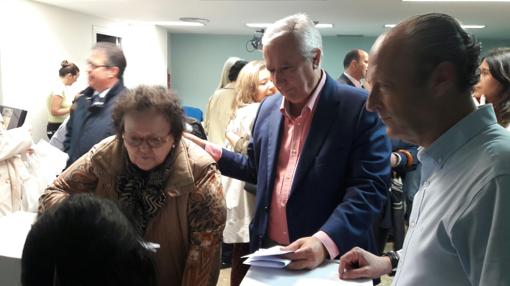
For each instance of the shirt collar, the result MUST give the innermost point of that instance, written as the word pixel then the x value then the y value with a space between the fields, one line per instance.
pixel 312 100
pixel 103 93
pixel 356 82
pixel 455 137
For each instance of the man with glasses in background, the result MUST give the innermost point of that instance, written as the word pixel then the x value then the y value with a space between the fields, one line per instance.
pixel 91 121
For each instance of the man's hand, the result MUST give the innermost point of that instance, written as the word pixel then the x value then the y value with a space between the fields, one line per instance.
pixel 199 141
pixel 308 253
pixel 359 263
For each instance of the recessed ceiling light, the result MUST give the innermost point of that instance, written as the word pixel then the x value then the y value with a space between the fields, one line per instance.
pixel 179 24
pixel 265 25
pixel 463 26
pixel 194 20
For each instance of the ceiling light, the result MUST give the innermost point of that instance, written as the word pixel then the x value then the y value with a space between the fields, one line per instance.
pixel 324 26
pixel 473 26
pixel 463 26
pixel 179 24
pixel 455 0
pixel 265 25
pixel 203 21
pixel 258 25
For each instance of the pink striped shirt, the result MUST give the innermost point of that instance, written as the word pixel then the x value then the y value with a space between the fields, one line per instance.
pixel 294 133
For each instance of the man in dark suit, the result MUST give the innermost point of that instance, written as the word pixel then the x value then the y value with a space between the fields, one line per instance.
pixel 91 121
pixel 355 68
pixel 321 161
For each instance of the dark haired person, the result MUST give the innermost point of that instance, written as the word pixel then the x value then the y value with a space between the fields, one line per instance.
pixel 422 73
pixel 494 84
pixel 168 187
pixel 60 100
pixel 91 120
pixel 355 68
pixel 85 241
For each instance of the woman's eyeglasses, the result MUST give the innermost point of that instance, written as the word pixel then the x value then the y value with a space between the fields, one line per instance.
pixel 152 142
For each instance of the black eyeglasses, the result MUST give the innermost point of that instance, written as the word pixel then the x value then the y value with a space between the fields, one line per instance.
pixel 152 142
pixel 95 66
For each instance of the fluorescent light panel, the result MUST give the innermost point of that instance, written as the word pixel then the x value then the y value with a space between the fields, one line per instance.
pixel 463 26
pixel 265 25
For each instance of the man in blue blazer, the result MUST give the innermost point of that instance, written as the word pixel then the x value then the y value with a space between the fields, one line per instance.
pixel 321 161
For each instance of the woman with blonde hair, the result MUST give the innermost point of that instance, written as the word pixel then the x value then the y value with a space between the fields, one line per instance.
pixel 252 86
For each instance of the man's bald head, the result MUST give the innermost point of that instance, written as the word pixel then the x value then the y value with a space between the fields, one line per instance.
pixel 432 39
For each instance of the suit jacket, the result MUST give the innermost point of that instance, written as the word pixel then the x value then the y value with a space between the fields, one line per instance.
pixel 342 176
pixel 344 79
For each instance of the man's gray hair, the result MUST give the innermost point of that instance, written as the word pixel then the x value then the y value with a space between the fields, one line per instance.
pixel 302 27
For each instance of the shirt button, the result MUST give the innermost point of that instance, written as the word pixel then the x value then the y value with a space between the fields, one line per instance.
pixel 426 184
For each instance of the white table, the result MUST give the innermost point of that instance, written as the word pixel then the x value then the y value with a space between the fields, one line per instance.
pixel 13 232
pixel 324 275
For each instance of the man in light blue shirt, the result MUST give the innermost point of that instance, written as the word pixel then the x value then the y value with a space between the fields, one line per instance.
pixel 421 74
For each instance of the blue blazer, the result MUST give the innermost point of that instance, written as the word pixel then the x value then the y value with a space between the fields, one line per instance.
pixel 342 176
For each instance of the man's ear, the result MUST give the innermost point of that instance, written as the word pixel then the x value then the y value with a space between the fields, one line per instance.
pixel 114 72
pixel 443 77
pixel 316 58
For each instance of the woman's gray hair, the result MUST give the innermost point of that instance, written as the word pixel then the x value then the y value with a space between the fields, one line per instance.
pixel 302 27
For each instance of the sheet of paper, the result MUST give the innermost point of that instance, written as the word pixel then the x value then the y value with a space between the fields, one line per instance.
pixel 324 275
pixel 268 261
pixel 270 257
pixel 273 251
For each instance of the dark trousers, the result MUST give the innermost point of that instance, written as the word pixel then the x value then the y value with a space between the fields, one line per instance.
pixel 239 269
pixel 51 128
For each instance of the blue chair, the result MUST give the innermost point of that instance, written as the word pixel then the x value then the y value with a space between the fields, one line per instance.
pixel 194 112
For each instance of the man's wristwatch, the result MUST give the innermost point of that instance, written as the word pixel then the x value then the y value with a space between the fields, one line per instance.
pixel 394 257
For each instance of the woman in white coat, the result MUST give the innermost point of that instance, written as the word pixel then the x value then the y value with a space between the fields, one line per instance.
pixel 13 143
pixel 252 86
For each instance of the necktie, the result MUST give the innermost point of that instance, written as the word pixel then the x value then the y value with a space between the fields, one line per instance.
pixel 96 101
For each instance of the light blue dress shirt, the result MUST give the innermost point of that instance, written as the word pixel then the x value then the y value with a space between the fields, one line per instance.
pixel 459 228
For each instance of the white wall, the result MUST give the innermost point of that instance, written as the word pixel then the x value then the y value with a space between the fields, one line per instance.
pixel 35 38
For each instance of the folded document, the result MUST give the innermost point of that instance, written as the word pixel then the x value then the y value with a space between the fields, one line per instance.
pixel 270 257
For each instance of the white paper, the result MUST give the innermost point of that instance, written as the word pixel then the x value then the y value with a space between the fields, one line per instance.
pixel 268 261
pixel 324 275
pixel 270 257
pixel 273 251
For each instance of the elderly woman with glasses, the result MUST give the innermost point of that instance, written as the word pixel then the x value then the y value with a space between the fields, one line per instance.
pixel 168 187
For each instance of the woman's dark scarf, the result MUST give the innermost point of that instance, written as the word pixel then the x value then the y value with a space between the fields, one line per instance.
pixel 141 192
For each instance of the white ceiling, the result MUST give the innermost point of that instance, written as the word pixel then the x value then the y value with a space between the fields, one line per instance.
pixel 359 17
